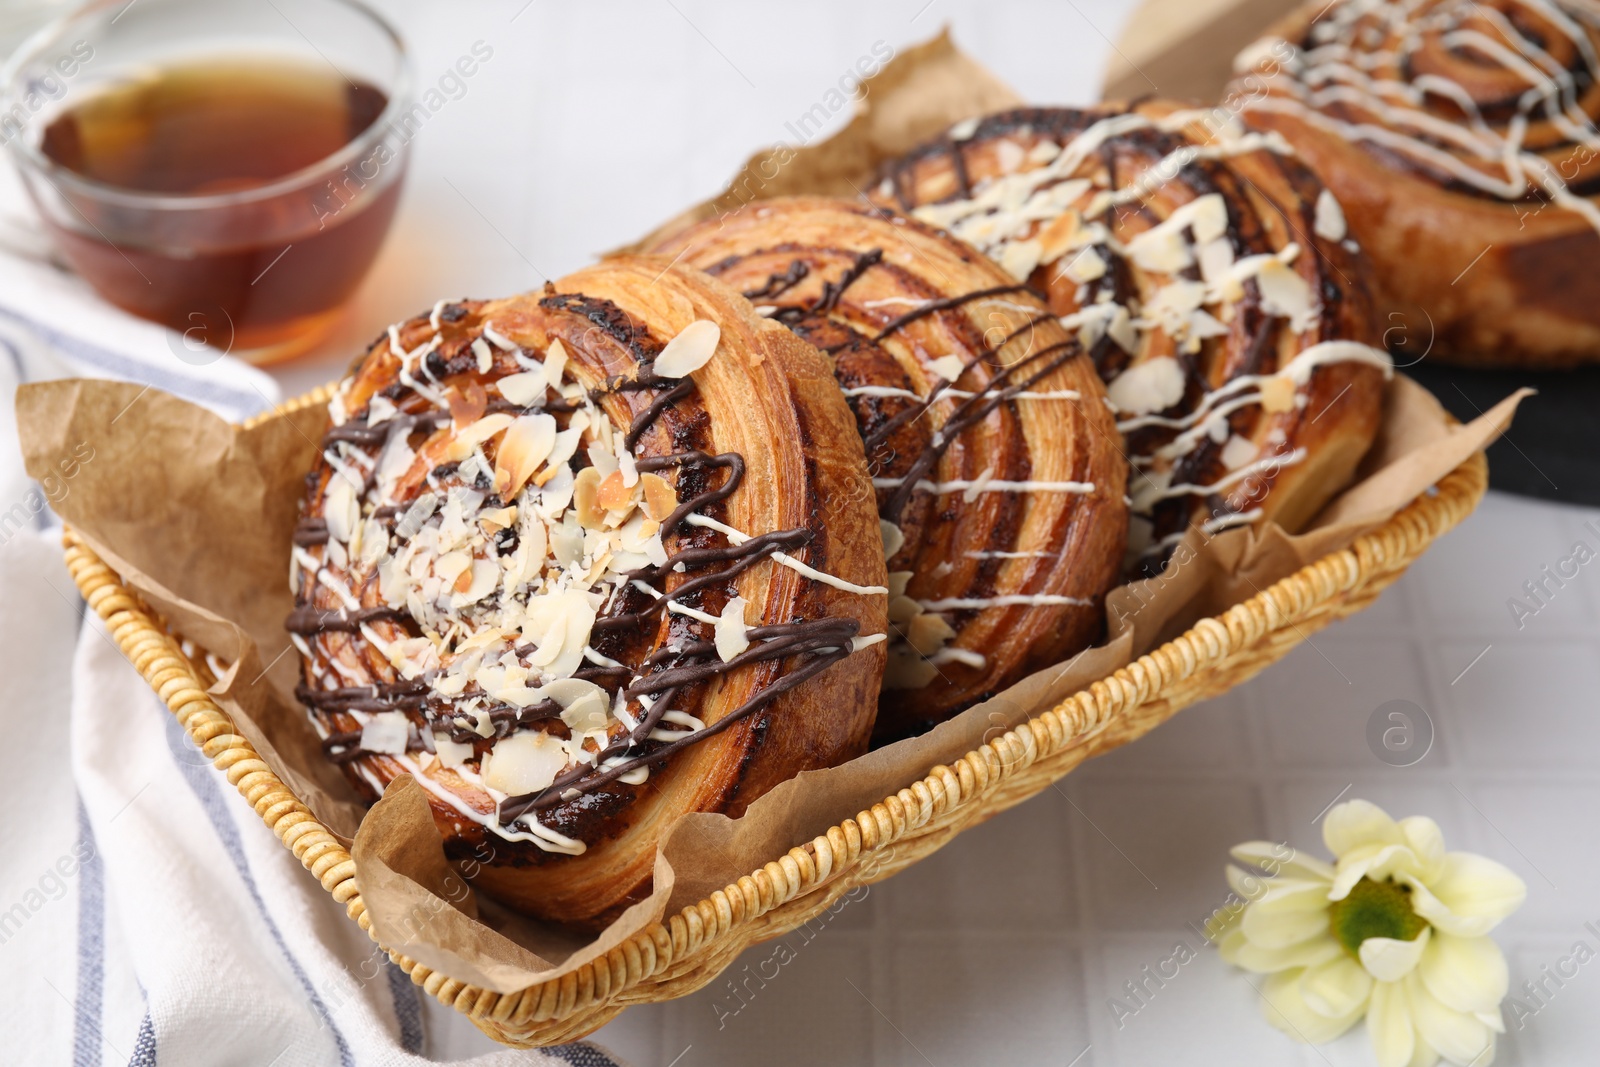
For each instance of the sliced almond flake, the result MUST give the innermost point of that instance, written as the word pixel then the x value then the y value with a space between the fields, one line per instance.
pixel 979 484
pixel 341 508
pixel 947 367
pixel 1008 156
pixel 603 459
pixel 629 467
pixel 452 754
pixel 484 355
pixel 1329 223
pixel 1122 330
pixel 565 445
pixel 1216 259
pixel 1160 250
pixel 1238 451
pixel 1277 395
pixel 555 364
pixel 964 129
pixel 614 494
pixel 898 580
pixel 1086 266
pixel 1285 293
pixel 381 410
pixel 496 519
pixel 907 670
pixel 481 580
pixel 452 565
pixel 586 498
pixel 1043 152
pixel 927 633
pixel 732 637
pixel 338 558
pixel 1152 385
pixel 524 763
pixel 660 498
pixel 903 609
pixel 584 705
pixel 893 538
pixel 524 389
pixel 467 402
pixel 469 437
pixel 689 351
pixel 526 444
pixel 387 732
pixel 1203 324
pixel 1019 258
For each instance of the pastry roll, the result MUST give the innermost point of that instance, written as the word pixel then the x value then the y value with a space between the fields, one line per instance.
pixel 1206 271
pixel 581 561
pixel 1000 483
pixel 1460 138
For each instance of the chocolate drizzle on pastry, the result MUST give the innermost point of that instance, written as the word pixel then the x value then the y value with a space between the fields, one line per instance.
pixel 707 556
pixel 958 378
pixel 1192 260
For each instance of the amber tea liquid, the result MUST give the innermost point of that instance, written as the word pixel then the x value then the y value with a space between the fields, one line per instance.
pixel 248 272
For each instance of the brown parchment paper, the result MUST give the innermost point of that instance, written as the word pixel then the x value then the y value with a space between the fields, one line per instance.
pixel 196 516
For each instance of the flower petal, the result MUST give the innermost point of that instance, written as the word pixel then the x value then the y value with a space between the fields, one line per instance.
pixel 1287 913
pixel 1394 1039
pixel 1336 988
pixel 1283 860
pixel 1389 959
pixel 1284 1007
pixel 1458 1036
pixel 1230 941
pixel 1470 896
pixel 1372 861
pixel 1355 823
pixel 1308 953
pixel 1426 841
pixel 1493 1020
pixel 1465 973
pixel 1425 1056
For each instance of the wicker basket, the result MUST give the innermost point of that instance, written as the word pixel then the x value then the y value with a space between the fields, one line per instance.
pixel 686 950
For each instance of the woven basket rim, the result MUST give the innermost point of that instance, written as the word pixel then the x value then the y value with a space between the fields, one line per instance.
pixel 602 986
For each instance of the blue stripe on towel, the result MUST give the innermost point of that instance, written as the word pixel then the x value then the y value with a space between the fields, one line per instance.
pixel 407 1007
pixel 91 948
pixel 583 1054
pixel 200 780
pixel 144 1047
pixel 240 402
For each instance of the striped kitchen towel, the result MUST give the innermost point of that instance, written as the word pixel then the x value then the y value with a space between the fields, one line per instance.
pixel 146 914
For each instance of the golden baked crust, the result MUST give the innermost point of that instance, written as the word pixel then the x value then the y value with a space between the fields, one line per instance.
pixel 634 334
pixel 1477 260
pixel 1203 270
pixel 1003 497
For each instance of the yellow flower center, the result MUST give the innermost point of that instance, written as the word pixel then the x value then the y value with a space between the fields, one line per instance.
pixel 1374 909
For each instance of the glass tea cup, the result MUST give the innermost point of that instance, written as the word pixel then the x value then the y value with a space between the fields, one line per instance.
pixel 228 168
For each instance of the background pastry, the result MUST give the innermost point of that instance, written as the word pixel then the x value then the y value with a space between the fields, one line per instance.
pixel 1459 136
pixel 1208 274
pixel 583 560
pixel 999 479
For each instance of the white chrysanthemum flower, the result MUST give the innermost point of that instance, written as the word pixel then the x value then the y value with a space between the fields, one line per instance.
pixel 1394 930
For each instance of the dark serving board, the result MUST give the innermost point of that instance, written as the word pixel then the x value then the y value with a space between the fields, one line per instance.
pixel 1552 451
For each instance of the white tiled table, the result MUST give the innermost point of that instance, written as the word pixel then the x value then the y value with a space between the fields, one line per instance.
pixel 588 126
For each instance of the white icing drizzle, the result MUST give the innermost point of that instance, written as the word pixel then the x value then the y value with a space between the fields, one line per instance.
pixel 514 624
pixel 987 485
pixel 1026 217
pixel 959 394
pixel 739 537
pixel 1013 600
pixel 1337 71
